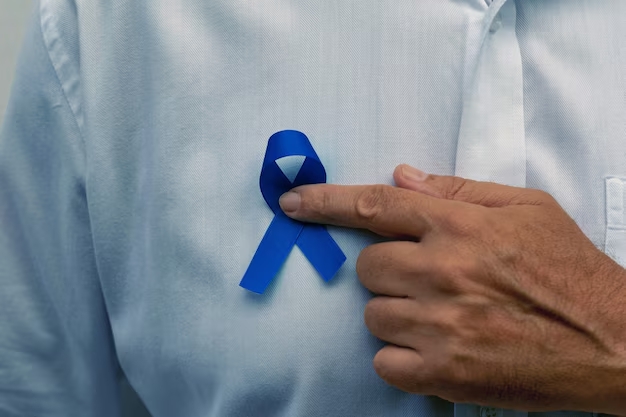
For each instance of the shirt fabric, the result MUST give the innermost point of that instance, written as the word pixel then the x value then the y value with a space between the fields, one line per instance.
pixel 129 170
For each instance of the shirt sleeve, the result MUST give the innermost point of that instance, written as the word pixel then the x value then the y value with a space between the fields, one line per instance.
pixel 57 356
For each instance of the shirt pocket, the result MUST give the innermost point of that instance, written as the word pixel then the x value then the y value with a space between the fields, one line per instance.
pixel 615 243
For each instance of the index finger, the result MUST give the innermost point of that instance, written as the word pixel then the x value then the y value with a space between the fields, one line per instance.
pixel 382 209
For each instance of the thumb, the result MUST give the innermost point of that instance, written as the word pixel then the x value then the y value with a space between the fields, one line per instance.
pixel 488 194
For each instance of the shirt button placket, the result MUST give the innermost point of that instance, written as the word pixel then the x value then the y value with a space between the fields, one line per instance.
pixel 491 144
pixel 491 147
pixel 496 23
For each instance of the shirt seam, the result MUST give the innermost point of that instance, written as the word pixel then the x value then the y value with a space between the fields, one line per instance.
pixel 52 42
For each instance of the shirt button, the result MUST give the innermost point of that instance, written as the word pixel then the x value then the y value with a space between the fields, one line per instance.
pixel 496 23
pixel 490 412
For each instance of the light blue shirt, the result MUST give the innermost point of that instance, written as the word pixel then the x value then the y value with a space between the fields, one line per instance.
pixel 130 205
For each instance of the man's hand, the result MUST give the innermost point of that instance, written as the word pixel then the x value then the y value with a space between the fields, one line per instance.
pixel 489 294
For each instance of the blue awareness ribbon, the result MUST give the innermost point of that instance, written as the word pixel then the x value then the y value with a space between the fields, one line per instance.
pixel 283 233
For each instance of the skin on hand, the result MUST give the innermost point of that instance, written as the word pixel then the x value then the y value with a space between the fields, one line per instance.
pixel 488 294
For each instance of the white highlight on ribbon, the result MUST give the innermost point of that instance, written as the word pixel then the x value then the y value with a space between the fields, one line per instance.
pixel 290 165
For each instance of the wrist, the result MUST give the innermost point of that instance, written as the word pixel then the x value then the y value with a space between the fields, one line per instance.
pixel 612 371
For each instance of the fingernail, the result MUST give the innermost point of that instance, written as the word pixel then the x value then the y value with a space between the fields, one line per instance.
pixel 289 202
pixel 413 174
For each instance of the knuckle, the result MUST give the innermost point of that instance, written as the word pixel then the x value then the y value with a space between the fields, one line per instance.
pixel 456 368
pixel 465 268
pixel 449 381
pixel 370 202
pixel 323 203
pixel 471 222
pixel 450 284
pixel 538 197
pixel 455 274
pixel 453 364
pixel 313 201
pixel 466 325
pixel 546 198
pixel 458 189
pixel 318 203
pixel 447 321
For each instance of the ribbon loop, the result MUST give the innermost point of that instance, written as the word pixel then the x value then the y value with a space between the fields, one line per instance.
pixel 283 233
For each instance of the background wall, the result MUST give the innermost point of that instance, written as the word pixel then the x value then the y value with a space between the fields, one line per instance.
pixel 14 16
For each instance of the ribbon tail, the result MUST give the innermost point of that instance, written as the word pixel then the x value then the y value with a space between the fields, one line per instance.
pixel 278 241
pixel 321 250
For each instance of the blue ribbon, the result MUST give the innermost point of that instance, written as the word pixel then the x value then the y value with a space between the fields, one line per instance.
pixel 283 233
